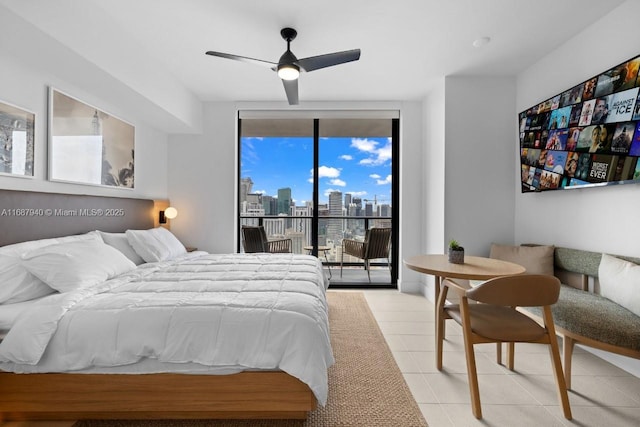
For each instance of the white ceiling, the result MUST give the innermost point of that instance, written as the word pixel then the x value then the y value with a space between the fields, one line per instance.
pixel 406 44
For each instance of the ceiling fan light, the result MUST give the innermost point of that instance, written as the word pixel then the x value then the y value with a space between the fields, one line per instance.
pixel 288 71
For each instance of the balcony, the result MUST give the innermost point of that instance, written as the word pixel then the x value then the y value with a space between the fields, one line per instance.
pixel 331 231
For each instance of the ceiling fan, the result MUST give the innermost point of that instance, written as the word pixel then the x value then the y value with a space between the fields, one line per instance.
pixel 288 67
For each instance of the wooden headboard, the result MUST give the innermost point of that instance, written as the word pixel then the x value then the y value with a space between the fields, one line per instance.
pixel 29 215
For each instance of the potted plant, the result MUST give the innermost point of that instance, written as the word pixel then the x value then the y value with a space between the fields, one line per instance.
pixel 456 252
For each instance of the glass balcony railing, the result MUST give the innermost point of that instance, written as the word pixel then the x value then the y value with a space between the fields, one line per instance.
pixel 331 231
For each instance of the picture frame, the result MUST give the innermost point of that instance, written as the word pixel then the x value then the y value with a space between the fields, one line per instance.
pixel 88 145
pixel 17 143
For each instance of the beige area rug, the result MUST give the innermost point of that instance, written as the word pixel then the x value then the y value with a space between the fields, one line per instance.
pixel 366 387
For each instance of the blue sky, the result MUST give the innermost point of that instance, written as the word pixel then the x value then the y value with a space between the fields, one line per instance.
pixel 361 166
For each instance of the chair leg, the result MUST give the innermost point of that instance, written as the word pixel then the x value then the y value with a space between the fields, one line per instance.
pixel 368 268
pixel 440 326
pixel 567 353
pixel 472 373
pixel 499 353
pixel 554 352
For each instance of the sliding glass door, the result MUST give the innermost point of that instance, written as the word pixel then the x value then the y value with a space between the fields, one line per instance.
pixel 321 182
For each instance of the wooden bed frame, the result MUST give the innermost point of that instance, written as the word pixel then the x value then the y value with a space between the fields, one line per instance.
pixel 67 396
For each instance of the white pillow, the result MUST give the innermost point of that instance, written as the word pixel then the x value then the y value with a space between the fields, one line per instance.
pixel 121 243
pixel 69 266
pixel 620 282
pixel 17 284
pixel 156 244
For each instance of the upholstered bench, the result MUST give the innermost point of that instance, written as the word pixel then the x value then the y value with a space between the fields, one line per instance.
pixel 583 316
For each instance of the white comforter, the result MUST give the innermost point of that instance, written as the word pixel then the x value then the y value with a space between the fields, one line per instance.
pixel 253 311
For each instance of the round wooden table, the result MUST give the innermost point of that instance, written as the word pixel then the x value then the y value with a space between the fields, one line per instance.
pixel 474 268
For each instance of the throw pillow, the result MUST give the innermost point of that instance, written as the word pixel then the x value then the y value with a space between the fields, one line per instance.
pixel 620 282
pixel 536 259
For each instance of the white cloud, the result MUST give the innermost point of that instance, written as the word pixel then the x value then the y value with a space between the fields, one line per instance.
pixel 327 172
pixel 346 157
pixel 385 181
pixel 260 192
pixel 374 176
pixel 366 145
pixel 338 182
pixel 378 156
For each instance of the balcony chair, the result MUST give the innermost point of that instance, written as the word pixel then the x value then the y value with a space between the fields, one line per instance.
pixel 494 319
pixel 377 242
pixel 254 239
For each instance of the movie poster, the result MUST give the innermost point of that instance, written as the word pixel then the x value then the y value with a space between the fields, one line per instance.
pixel 600 111
pixel 602 168
pixel 589 89
pixel 560 118
pixel 587 113
pixel 589 136
pixel 530 156
pixel 610 81
pixel 582 170
pixel 571 164
pixel 549 180
pixel 576 113
pixel 635 144
pixel 622 137
pixel 555 161
pixel 557 139
pixel 624 168
pixel 572 139
pixel 620 106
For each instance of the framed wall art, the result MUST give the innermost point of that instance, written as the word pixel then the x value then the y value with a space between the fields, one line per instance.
pixel 16 141
pixel 88 145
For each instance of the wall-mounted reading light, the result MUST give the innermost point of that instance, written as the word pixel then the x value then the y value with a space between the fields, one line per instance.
pixel 169 213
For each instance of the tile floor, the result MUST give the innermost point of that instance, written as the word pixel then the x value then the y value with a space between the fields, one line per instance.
pixel 602 395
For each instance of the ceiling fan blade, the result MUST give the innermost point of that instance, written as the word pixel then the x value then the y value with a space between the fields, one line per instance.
pixel 291 88
pixel 243 59
pixel 321 61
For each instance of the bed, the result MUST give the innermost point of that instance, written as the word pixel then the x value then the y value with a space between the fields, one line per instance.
pixel 194 335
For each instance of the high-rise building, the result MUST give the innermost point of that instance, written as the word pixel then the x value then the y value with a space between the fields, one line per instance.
pixel 334 225
pixel 246 185
pixel 347 199
pixel 284 201
pixel 368 209
pixel 358 202
pixel 269 204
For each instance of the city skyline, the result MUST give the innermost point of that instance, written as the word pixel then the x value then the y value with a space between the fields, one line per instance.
pixel 358 166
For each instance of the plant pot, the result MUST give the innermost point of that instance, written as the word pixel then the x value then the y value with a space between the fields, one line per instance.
pixel 456 256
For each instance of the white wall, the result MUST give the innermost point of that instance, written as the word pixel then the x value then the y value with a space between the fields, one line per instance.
pixel 433 175
pixel 30 63
pixel 469 165
pixel 600 219
pixel 480 167
pixel 203 175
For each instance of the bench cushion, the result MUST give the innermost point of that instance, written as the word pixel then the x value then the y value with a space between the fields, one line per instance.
pixel 595 317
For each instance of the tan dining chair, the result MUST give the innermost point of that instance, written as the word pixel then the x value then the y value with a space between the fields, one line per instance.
pixel 495 319
pixel 376 244
pixel 254 239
